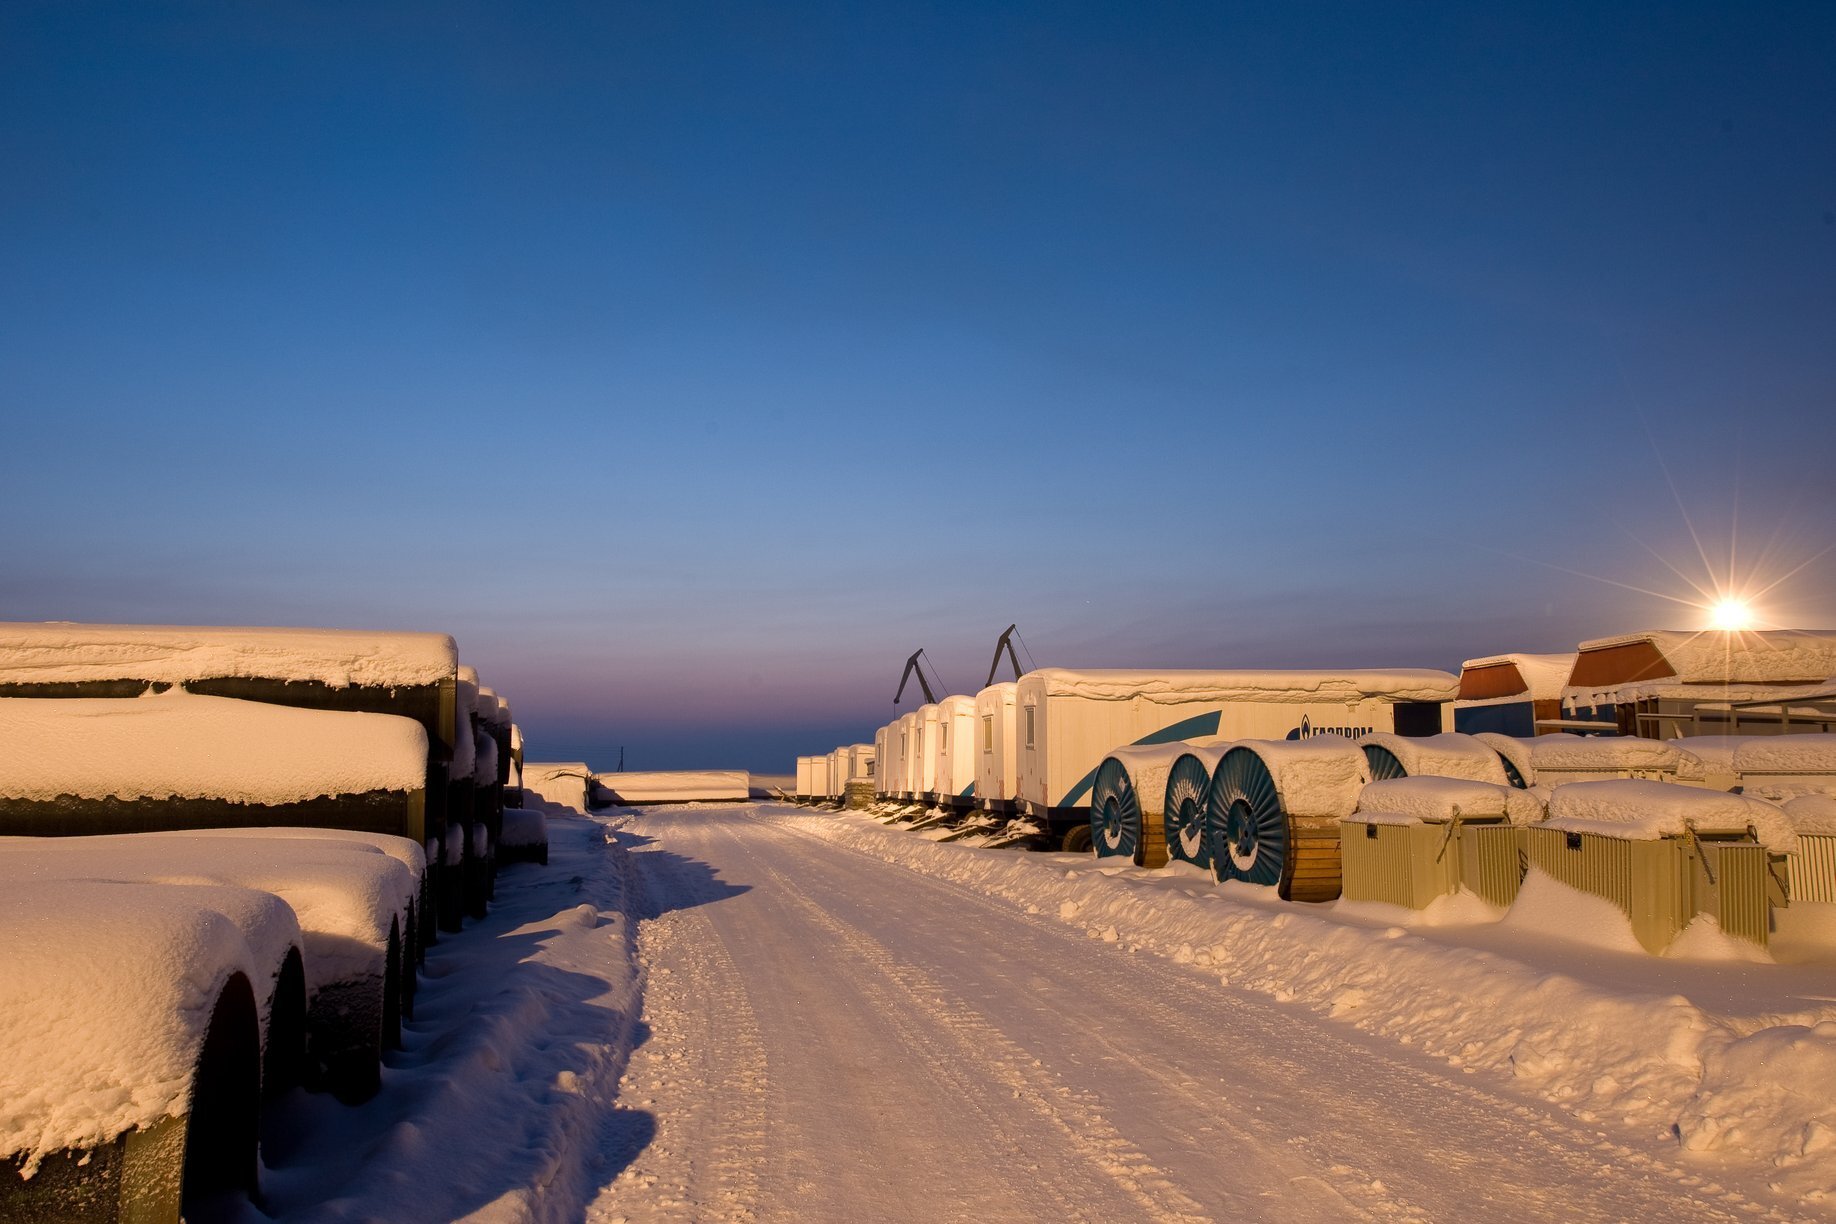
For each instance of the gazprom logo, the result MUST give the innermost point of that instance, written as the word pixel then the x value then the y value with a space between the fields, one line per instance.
pixel 1307 730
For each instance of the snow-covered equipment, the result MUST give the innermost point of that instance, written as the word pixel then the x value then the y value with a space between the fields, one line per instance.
pixel 858 791
pixel 467 809
pixel 1559 759
pixel 1514 754
pixel 1449 755
pixel 412 675
pixel 1775 767
pixel 1665 853
pixel 1070 720
pixel 136 1019
pixel 1415 839
pixel 1662 683
pixel 1510 693
pixel 525 838
pixel 995 749
pixel 1273 811
pixel 561 785
pixel 954 775
pixel 353 904
pixel 674 786
pixel 1128 802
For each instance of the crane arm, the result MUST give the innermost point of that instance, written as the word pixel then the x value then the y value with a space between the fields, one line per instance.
pixel 912 669
pixel 1006 643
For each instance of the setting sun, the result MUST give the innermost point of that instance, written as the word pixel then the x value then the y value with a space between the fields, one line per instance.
pixel 1731 614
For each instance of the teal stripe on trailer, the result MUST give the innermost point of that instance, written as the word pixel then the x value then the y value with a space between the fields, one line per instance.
pixel 1115 812
pixel 1187 784
pixel 966 792
pixel 1190 728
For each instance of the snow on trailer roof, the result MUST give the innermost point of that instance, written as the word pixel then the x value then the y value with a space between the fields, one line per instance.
pixel 181 745
pixel 1639 810
pixel 1348 687
pixel 1712 656
pixel 61 652
pixel 1515 677
pixel 344 894
pixel 1573 752
pixel 106 989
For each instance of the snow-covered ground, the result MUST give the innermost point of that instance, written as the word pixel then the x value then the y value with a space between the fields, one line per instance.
pixel 759 1012
pixel 850 1022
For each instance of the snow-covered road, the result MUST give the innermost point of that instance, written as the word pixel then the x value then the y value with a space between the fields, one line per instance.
pixel 835 1037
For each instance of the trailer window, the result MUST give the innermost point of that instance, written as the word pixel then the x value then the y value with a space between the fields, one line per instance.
pixel 988 733
pixel 1029 727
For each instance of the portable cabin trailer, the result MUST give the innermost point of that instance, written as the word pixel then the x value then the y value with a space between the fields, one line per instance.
pixel 995 755
pixel 908 755
pixel 927 730
pixel 838 773
pixel 1510 693
pixel 804 783
pixel 882 762
pixel 1069 720
pixel 956 753
pixel 1416 839
pixel 1664 854
pixel 1660 684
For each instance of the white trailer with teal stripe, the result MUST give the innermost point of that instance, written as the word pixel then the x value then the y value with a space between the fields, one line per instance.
pixel 1068 721
pixel 956 755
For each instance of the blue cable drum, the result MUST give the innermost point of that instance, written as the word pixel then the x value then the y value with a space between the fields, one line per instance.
pixel 1188 836
pixel 1383 763
pixel 1115 812
pixel 1247 830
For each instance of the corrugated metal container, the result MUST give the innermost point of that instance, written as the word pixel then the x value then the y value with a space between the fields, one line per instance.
pixel 1663 883
pixel 1411 864
pixel 1811 872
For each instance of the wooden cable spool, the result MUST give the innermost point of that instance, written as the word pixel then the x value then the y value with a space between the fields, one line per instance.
pixel 1183 825
pixel 1256 840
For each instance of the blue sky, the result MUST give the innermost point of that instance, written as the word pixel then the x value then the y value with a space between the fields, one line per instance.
pixel 695 364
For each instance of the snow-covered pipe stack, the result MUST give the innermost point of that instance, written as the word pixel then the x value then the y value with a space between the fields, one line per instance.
pixel 995 754
pixel 134 1018
pixel 1128 802
pixel 1273 813
pixel 353 904
pixel 410 675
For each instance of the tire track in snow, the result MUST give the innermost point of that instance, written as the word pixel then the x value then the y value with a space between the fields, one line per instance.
pixel 975 1054
pixel 700 1164
pixel 1520 1135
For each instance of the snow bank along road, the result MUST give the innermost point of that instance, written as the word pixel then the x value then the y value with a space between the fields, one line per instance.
pixel 835 1036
